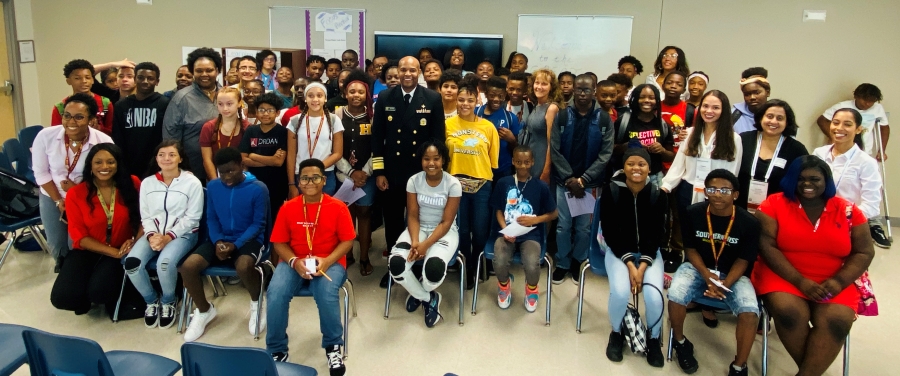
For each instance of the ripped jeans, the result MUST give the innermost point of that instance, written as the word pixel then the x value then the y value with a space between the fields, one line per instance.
pixel 166 266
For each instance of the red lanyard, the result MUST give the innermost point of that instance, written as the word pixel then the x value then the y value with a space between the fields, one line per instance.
pixel 310 144
pixel 712 242
pixel 309 238
pixel 233 131
pixel 71 166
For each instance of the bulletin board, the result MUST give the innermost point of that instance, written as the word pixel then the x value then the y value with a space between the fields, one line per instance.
pixel 326 32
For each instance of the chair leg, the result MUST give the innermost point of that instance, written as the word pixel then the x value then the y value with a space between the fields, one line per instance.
pixel 671 338
pixel 9 245
pixel 118 302
pixel 213 284
pixel 346 350
pixel 549 289
pixel 387 297
pixel 221 283
pixel 584 267
pixel 847 356
pixel 36 231
pixel 462 286
pixel 185 310
pixel 260 301
pixel 349 286
pixel 477 272
pixel 765 342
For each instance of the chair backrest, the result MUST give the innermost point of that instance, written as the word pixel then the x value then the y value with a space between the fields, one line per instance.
pixel 28 134
pixel 200 359
pixel 4 163
pixel 20 156
pixel 52 354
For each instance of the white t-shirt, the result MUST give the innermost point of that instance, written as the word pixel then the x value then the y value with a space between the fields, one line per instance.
pixel 432 200
pixel 876 112
pixel 321 145
pixel 449 115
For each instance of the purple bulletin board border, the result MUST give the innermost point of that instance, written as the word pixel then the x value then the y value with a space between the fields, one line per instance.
pixel 308 38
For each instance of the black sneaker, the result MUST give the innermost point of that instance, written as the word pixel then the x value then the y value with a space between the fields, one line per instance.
pixel 384 280
pixel 59 263
pixel 433 310
pixel 412 304
pixel 151 315
pixel 559 275
pixel 167 315
pixel 576 276
pixel 733 372
pixel 685 354
pixel 615 346
pixel 879 238
pixel 654 353
pixel 335 361
pixel 280 356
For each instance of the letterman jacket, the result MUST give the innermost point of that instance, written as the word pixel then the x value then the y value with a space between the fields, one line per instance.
pixel 174 210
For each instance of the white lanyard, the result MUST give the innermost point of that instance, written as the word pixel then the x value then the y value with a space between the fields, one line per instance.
pixel 846 165
pixel 771 164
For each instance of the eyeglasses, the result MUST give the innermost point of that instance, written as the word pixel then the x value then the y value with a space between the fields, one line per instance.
pixel 266 111
pixel 583 91
pixel 315 179
pixel 670 56
pixel 723 191
pixel 269 59
pixel 252 92
pixel 247 68
pixel 78 118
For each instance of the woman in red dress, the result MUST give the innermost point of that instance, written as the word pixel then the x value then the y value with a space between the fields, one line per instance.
pixel 814 245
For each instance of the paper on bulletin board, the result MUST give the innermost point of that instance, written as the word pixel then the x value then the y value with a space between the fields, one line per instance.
pixel 328 54
pixel 337 21
pixel 335 40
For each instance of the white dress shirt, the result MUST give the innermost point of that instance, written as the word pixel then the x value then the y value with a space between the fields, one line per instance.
pixel 856 177
pixel 49 154
pixel 684 167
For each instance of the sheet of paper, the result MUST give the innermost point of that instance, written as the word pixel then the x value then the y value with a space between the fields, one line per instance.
pixel 335 40
pixel 338 21
pixel 515 229
pixel 580 206
pixel 347 194
pixel 327 54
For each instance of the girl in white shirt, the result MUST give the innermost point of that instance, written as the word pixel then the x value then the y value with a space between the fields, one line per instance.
pixel 306 139
pixel 856 175
pixel 711 144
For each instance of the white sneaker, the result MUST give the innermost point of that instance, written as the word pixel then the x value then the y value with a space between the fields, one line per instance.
pixel 198 323
pixel 255 306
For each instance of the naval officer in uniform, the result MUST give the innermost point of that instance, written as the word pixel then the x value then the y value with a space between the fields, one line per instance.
pixel 405 116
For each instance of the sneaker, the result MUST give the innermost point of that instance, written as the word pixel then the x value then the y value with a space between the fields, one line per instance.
pixel 576 277
pixel 384 280
pixel 531 299
pixel 654 353
pixel 433 310
pixel 733 372
pixel 232 280
pixel 199 320
pixel 559 275
pixel 412 304
pixel 151 315
pixel 254 307
pixel 167 316
pixel 335 361
pixel 615 346
pixel 879 238
pixel 280 356
pixel 685 354
pixel 504 296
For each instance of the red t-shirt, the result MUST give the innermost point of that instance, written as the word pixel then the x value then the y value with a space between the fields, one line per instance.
pixel 84 222
pixel 816 250
pixel 334 226
pixel 208 140
pixel 673 116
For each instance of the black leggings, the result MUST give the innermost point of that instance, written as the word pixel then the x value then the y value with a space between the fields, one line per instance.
pixel 87 277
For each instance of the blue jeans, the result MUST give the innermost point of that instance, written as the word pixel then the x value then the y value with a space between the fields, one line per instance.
pixel 620 292
pixel 474 222
pixel 57 232
pixel 167 261
pixel 688 285
pixel 286 284
pixel 566 247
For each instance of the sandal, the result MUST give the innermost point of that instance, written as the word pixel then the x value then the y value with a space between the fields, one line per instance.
pixel 711 323
pixel 365 267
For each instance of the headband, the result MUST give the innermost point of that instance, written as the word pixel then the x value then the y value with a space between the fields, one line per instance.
pixel 315 85
pixel 752 79
pixel 701 75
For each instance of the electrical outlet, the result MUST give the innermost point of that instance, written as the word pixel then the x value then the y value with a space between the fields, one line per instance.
pixel 146 2
pixel 813 16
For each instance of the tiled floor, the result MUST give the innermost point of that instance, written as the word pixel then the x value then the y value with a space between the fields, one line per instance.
pixel 493 342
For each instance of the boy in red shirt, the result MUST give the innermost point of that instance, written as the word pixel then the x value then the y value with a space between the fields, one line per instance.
pixel 312 235
pixel 80 75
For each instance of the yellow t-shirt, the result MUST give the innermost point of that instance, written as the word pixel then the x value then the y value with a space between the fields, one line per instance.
pixel 474 147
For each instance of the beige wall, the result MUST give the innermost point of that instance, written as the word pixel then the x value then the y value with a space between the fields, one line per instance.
pixel 811 65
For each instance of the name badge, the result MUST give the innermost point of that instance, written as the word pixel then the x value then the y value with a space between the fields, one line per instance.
pixel 390 109
pixel 779 162
pixel 756 194
pixel 423 122
pixel 704 166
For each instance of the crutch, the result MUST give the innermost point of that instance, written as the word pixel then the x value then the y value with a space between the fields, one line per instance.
pixel 884 196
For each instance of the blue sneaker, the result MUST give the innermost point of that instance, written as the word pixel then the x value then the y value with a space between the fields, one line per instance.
pixel 433 310
pixel 412 304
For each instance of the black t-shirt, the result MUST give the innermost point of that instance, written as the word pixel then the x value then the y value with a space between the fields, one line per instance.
pixel 256 141
pixel 646 133
pixel 791 149
pixel 743 241
pixel 137 130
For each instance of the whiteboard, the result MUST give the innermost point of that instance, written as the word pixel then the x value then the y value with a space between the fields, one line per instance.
pixel 577 44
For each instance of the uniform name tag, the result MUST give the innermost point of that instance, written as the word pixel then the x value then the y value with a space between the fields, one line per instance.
pixel 390 109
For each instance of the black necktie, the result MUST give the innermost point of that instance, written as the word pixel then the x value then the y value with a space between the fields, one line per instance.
pixel 406 98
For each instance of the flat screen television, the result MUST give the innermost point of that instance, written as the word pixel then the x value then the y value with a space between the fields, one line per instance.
pixel 477 47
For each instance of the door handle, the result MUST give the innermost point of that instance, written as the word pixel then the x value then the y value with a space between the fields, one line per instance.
pixel 7 87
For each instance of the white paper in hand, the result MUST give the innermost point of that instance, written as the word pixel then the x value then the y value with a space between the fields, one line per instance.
pixel 347 194
pixel 515 229
pixel 580 206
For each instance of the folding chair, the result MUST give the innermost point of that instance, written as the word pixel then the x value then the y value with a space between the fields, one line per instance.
pixel 200 359
pixel 764 315
pixel 595 261
pixel 458 259
pixel 710 302
pixel 12 348
pixel 488 254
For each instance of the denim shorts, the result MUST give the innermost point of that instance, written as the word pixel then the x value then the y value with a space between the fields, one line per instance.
pixel 688 285
pixel 369 198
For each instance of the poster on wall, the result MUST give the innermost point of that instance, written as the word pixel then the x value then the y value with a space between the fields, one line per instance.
pixel 330 32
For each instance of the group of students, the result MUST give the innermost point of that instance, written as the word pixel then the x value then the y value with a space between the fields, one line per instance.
pixel 452 157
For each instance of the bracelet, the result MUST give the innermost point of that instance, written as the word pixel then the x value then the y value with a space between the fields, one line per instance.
pixel 60 201
pixel 292 261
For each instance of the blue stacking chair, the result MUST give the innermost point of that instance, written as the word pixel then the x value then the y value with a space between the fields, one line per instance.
pixel 458 259
pixel 12 348
pixel 488 254
pixel 200 359
pixel 19 155
pixel 710 302
pixel 595 261
pixel 4 163
pixel 53 354
pixel 28 134
pixel 13 226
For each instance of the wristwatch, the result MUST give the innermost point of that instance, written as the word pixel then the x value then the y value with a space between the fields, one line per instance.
pixel 60 201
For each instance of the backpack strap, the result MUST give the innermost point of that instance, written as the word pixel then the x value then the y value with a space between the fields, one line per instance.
pixel 735 116
pixel 623 125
